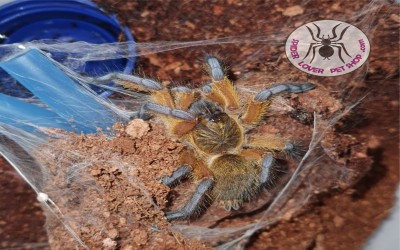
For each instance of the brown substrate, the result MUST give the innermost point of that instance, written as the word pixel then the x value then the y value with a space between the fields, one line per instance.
pixel 108 189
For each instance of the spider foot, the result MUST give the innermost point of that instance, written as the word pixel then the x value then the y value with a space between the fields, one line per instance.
pixel 176 215
pixel 179 174
pixel 194 204
pixel 289 87
pixel 266 167
pixel 294 151
pixel 215 69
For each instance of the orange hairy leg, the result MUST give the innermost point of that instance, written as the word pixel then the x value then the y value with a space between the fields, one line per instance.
pixel 272 143
pixel 183 97
pixel 255 112
pixel 179 98
pixel 253 153
pixel 129 82
pixel 132 86
pixel 221 89
pixel 163 97
pixel 267 142
pixel 223 92
pixel 199 169
pixel 179 127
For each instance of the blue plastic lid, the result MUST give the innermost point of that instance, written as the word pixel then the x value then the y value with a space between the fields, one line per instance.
pixel 61 21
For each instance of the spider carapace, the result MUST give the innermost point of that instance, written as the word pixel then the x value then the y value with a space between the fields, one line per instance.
pixel 228 164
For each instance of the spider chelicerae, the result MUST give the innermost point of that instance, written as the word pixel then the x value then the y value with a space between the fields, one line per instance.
pixel 326 45
pixel 228 164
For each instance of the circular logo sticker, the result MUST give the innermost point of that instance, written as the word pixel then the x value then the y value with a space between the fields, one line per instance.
pixel 327 48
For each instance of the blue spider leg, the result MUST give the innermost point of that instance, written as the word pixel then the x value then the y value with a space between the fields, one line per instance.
pixel 291 88
pixel 206 88
pixel 182 89
pixel 179 174
pixel 143 82
pixel 192 206
pixel 266 166
pixel 177 113
pixel 216 72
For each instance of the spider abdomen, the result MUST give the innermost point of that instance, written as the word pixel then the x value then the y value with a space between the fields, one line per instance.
pixel 236 180
pixel 326 51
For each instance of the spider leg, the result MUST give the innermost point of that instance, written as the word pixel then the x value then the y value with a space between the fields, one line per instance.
pixel 272 143
pixel 340 52
pixel 341 34
pixel 266 166
pixel 214 67
pixel 257 108
pixel 130 82
pixel 309 49
pixel 312 34
pixel 173 104
pixel 176 113
pixel 334 31
pixel 289 87
pixel 142 114
pixel 312 59
pixel 162 98
pixel 221 90
pixel 178 121
pixel 183 97
pixel 343 47
pixel 179 174
pixel 194 203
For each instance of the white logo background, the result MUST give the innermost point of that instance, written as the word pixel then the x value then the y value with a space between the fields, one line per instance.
pixel 319 48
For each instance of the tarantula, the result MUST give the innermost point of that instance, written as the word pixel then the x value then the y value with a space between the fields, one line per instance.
pixel 229 165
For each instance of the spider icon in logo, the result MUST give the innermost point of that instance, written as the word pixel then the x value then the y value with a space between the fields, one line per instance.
pixel 326 45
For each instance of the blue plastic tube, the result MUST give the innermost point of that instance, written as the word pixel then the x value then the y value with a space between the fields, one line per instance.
pixel 52 86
